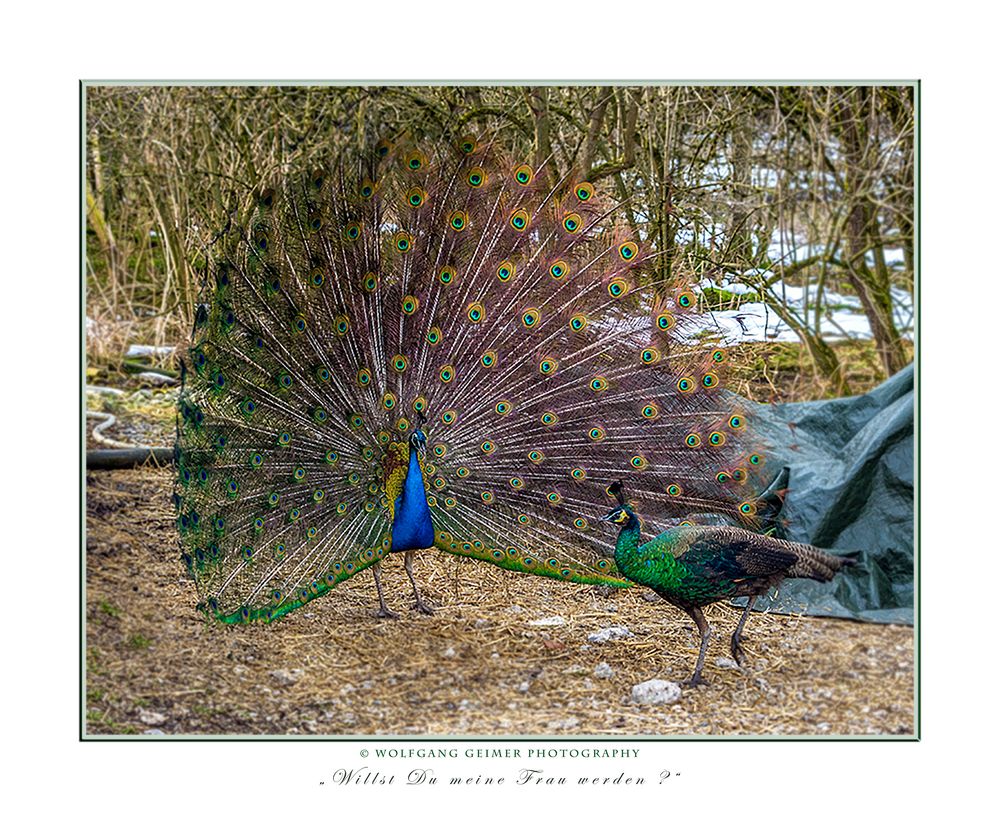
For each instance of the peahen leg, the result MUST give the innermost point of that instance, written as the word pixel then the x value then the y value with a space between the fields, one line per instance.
pixel 706 631
pixel 420 605
pixel 383 611
pixel 734 645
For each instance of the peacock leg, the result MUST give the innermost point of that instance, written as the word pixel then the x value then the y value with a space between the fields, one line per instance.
pixel 706 631
pixel 420 605
pixel 383 611
pixel 734 646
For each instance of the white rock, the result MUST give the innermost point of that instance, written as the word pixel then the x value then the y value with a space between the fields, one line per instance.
pixel 548 621
pixel 656 691
pixel 151 718
pixel 287 676
pixel 726 663
pixel 615 631
pixel 603 670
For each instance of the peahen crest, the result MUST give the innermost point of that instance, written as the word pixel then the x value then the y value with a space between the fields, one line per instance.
pixel 441 342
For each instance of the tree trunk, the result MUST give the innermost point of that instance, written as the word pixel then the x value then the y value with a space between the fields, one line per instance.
pixel 863 233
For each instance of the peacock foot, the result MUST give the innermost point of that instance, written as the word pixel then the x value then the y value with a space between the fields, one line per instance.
pixel 385 613
pixel 694 681
pixel 422 607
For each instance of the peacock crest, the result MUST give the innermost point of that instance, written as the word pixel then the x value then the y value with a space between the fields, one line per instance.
pixel 444 341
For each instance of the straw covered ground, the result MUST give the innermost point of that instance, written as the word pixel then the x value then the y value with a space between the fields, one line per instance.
pixel 478 667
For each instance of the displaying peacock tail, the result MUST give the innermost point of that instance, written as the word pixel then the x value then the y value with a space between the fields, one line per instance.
pixel 438 348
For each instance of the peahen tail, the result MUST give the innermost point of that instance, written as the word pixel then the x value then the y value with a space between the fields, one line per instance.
pixel 525 329
pixel 816 564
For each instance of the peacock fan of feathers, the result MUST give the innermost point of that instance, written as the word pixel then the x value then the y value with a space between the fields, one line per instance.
pixel 438 349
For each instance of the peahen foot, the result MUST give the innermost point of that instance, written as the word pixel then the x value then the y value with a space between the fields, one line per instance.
pixel 695 681
pixel 736 651
pixel 734 644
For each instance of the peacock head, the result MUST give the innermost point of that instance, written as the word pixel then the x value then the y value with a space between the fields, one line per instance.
pixel 418 440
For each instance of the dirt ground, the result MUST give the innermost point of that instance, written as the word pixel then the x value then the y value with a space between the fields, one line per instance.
pixel 476 668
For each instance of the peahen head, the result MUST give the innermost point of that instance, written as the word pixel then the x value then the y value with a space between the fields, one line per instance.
pixel 623 514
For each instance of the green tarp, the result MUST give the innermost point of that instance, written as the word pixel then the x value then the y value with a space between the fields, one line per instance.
pixel 847 465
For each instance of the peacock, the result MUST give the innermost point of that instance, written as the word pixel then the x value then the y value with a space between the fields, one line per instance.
pixel 439 346
pixel 695 565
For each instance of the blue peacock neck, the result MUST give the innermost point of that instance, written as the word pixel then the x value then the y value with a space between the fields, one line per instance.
pixel 411 524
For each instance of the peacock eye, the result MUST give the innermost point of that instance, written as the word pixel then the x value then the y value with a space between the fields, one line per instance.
pixel 617 288
pixel 665 321
pixel 415 160
pixel 523 174
pixel 416 197
pixel 572 223
pixel 548 366
pixel 506 270
pixel 628 250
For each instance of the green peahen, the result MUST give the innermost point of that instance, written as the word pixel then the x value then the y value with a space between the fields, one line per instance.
pixel 693 566
pixel 437 348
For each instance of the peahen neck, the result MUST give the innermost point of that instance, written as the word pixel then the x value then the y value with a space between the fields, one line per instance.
pixel 411 525
pixel 629 537
pixel 652 564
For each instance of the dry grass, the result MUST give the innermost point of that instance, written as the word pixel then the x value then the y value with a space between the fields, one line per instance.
pixel 476 668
